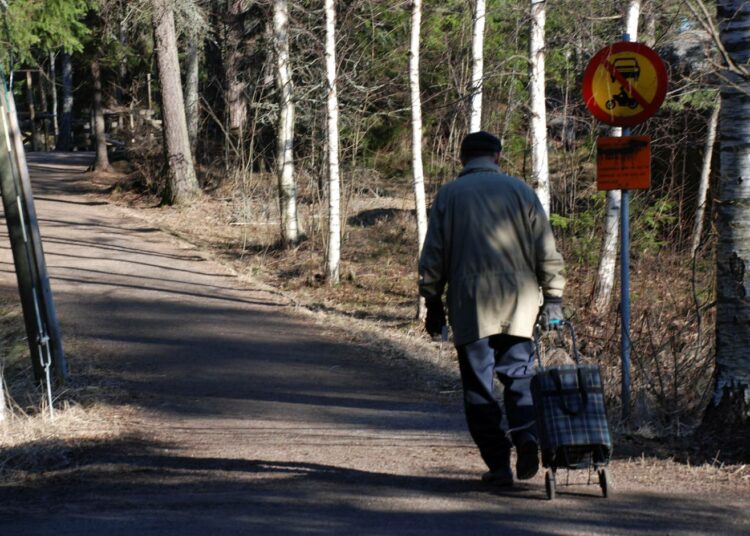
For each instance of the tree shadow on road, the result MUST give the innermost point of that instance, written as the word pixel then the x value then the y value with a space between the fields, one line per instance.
pixel 133 486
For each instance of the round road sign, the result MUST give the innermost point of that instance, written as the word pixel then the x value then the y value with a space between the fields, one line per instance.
pixel 624 84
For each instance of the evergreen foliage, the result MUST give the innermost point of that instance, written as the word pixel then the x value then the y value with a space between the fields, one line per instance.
pixel 44 25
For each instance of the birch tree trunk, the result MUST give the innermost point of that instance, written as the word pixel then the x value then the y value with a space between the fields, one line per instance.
pixel 708 152
pixel 53 94
pixel 416 129
pixel 477 66
pixel 192 108
pixel 538 130
pixel 65 140
pixel 732 388
pixel 332 107
pixel 100 136
pixel 182 185
pixel 605 280
pixel 285 136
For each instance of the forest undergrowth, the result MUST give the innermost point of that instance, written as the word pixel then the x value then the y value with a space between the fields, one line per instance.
pixel 672 297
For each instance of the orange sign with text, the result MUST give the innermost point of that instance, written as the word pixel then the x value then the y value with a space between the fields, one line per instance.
pixel 623 163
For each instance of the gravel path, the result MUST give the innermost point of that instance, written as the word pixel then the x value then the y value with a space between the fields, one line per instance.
pixel 257 420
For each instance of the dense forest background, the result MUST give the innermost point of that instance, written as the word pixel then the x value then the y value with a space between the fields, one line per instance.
pixel 72 58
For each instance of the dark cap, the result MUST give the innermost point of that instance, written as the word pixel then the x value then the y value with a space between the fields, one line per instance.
pixel 479 144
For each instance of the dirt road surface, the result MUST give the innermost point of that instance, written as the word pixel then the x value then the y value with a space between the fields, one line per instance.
pixel 256 420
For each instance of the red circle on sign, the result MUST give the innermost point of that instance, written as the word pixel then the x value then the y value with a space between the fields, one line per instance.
pixel 649 108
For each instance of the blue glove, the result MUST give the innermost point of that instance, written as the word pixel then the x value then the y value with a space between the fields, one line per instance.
pixel 551 316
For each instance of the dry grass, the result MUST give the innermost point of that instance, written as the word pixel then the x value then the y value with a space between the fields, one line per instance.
pixel 672 345
pixel 672 333
pixel 34 443
pixel 85 409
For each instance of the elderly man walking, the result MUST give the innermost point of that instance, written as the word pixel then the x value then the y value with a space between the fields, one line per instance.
pixel 489 240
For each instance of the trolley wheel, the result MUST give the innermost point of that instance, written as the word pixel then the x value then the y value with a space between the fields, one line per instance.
pixel 549 484
pixel 604 481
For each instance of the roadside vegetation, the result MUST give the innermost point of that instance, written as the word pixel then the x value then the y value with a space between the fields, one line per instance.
pixel 234 199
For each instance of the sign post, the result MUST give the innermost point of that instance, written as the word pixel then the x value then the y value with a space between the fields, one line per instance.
pixel 623 85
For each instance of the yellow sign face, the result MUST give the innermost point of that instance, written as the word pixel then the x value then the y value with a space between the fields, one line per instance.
pixel 624 84
pixel 610 94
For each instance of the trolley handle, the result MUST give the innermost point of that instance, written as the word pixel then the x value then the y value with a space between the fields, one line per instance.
pixel 564 324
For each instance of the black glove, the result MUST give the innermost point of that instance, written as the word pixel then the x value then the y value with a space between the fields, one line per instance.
pixel 551 315
pixel 435 319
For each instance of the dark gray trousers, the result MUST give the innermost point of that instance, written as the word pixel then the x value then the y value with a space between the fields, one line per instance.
pixel 512 359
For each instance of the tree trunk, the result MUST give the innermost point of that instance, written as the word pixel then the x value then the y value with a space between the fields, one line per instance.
pixel 192 107
pixel 123 62
pixel 36 142
pixel 733 222
pixel 53 95
pixel 332 107
pixel 285 135
pixel 65 140
pixel 708 152
pixel 235 85
pixel 416 129
pixel 477 67
pixel 538 130
pixel 605 280
pixel 100 139
pixel 649 31
pixel 44 106
pixel 182 185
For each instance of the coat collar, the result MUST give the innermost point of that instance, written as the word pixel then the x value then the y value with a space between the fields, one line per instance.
pixel 476 165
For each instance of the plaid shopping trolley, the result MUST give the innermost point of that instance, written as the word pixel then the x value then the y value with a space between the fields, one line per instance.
pixel 571 417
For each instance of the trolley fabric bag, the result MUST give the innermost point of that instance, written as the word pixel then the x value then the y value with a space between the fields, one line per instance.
pixel 570 410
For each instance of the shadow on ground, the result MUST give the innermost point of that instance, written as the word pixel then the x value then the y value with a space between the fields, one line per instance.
pixel 192 495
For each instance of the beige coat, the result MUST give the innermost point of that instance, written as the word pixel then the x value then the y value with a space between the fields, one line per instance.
pixel 490 241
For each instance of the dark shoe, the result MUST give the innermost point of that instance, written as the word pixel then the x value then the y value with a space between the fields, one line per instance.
pixel 499 477
pixel 527 463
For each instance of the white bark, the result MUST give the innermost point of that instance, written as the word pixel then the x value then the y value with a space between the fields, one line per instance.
pixel 416 133
pixel 477 66
pixel 53 90
pixel 605 280
pixel 332 108
pixel 285 135
pixel 733 214
pixel 538 130
pixel 631 19
pixel 708 152
pixel 416 124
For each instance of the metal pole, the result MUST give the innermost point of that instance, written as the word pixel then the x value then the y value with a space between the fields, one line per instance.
pixel 625 300
pixel 625 289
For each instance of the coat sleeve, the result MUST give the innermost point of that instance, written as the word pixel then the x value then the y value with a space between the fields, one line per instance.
pixel 432 269
pixel 549 262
